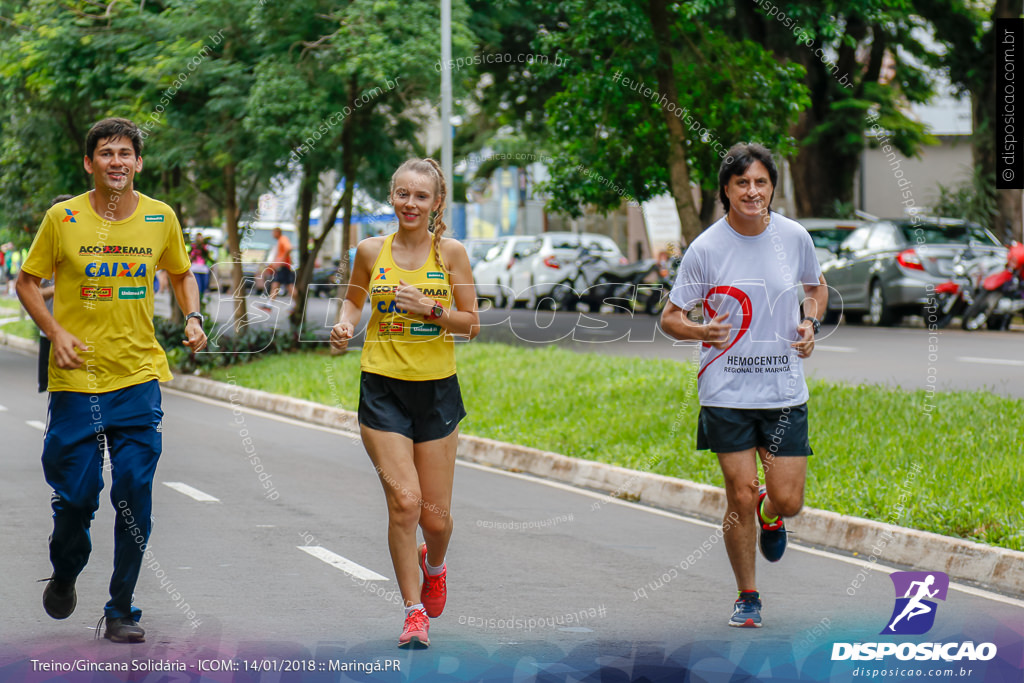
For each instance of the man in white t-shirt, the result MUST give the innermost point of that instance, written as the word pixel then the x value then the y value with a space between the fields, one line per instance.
pixel 751 271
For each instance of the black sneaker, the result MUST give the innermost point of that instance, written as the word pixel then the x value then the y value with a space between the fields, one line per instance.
pixel 746 612
pixel 122 630
pixel 771 538
pixel 59 597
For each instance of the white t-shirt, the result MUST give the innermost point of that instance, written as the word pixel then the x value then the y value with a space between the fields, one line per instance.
pixel 759 282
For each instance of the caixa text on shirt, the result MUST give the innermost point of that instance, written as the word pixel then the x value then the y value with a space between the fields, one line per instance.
pixel 115 269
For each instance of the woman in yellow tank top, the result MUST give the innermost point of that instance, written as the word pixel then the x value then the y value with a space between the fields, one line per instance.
pixel 421 296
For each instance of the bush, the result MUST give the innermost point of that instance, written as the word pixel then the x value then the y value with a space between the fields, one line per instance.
pixel 225 350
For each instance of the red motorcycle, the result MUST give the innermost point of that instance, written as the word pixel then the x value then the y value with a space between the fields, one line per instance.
pixel 1000 296
pixel 954 296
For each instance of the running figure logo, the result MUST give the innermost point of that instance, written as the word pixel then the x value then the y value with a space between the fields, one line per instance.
pixel 913 613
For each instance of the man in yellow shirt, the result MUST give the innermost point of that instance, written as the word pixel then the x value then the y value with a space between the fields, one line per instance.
pixel 102 248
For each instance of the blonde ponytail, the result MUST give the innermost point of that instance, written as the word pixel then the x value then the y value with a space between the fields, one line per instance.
pixel 438 219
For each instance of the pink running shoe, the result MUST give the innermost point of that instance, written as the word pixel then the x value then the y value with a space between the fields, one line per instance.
pixel 414 635
pixel 434 593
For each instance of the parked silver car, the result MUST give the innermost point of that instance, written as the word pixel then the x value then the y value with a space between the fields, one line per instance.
pixel 553 256
pixel 828 233
pixel 889 268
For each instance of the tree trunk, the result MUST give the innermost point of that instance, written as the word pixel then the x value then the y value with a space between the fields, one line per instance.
pixel 821 176
pixel 1009 215
pixel 234 246
pixel 348 171
pixel 823 171
pixel 304 273
pixel 708 202
pixel 678 170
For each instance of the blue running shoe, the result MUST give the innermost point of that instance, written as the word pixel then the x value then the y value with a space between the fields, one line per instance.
pixel 747 611
pixel 771 538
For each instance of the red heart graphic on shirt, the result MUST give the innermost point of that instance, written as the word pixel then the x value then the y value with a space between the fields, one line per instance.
pixel 746 309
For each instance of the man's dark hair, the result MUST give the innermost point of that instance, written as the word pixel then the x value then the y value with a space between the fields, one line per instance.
pixel 111 129
pixel 736 162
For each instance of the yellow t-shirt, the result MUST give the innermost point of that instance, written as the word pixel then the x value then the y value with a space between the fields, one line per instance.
pixel 403 345
pixel 103 289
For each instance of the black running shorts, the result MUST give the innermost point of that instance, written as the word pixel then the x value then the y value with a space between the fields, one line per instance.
pixel 782 431
pixel 419 410
pixel 284 275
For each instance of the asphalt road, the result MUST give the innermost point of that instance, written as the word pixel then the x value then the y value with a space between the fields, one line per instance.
pixel 546 582
pixel 910 357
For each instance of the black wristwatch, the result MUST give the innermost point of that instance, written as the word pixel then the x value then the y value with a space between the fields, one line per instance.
pixel 815 323
pixel 194 314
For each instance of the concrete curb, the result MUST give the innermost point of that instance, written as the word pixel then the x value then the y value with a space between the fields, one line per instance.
pixel 997 569
pixel 18 343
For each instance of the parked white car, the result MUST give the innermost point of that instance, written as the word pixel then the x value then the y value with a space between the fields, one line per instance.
pixel 500 276
pixel 553 257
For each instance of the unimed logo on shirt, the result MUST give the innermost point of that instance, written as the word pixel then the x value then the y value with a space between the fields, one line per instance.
pixel 131 293
pixel 158 218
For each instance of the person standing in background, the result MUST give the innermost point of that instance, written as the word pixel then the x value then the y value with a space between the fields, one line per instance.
pixel 201 259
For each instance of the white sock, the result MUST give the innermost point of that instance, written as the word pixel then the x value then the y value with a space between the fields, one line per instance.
pixel 409 610
pixel 432 570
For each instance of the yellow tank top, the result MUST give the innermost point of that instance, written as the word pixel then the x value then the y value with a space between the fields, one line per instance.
pixel 403 345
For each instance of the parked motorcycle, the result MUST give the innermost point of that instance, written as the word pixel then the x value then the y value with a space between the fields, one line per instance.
pixel 657 295
pixel 953 297
pixel 595 282
pixel 1000 295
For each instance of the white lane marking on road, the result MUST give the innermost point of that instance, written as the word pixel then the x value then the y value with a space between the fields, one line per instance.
pixel 36 424
pixel 970 590
pixel 191 492
pixel 344 564
pixel 991 361
pixel 834 349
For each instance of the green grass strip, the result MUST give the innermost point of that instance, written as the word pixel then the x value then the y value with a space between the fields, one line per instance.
pixel 953 470
pixel 8 304
pixel 21 328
